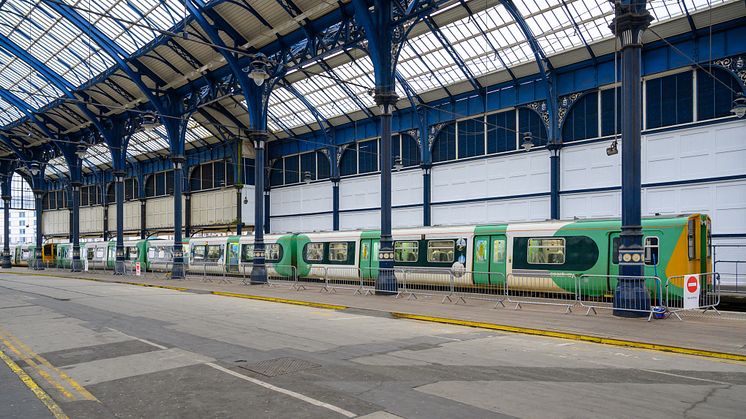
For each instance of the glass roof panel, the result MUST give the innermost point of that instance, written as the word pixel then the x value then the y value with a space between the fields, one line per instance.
pixel 131 24
pixel 24 82
pixel 8 113
pixel 53 40
pixel 287 110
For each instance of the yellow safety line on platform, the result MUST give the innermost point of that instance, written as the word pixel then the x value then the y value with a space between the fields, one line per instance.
pixel 574 336
pixel 280 300
pixel 31 384
pixel 31 363
pixel 83 278
pixel 74 384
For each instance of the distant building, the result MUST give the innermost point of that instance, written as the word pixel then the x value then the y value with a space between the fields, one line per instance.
pixel 22 215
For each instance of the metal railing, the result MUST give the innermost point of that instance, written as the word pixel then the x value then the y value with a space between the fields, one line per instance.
pixel 592 294
pixel 683 295
pixel 542 288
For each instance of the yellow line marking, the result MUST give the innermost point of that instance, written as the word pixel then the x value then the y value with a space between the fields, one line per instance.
pixel 74 384
pixel 280 300
pixel 108 281
pixel 31 384
pixel 27 359
pixel 575 336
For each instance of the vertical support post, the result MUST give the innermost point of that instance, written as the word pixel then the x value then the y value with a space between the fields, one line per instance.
pixel 267 198
pixel 6 228
pixel 178 271
pixel 105 231
pixel 143 218
pixel 187 214
pixel 39 196
pixel 386 282
pixel 259 270
pixel 554 148
pixel 335 204
pixel 426 195
pixel 239 210
pixel 630 295
pixel 76 265
pixel 119 197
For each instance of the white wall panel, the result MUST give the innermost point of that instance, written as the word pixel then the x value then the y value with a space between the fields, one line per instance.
pixel 301 199
pixel 587 166
pixel 56 222
pixel 406 188
pixel 360 220
pixel 247 205
pixel 216 207
pixel 695 153
pixel 724 202
pixel 92 219
pixel 159 213
pixel 302 223
pixel 406 217
pixel 591 205
pixel 498 211
pixel 516 174
pixel 359 192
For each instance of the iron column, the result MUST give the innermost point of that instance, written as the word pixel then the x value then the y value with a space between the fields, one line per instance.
pixel 335 203
pixel 119 192
pixel 76 265
pixel 178 271
pixel 259 269
pixel 630 296
pixel 39 196
pixel 6 231
pixel 386 282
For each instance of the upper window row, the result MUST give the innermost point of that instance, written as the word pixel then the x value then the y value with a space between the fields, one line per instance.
pixel 217 174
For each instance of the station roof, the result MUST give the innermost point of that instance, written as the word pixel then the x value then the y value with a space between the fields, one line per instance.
pixel 56 54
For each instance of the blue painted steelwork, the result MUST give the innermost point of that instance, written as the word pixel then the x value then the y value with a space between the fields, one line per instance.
pixel 7 168
pixel 631 20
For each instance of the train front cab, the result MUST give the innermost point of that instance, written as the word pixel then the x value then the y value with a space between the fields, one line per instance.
pixel 674 247
pixel 49 254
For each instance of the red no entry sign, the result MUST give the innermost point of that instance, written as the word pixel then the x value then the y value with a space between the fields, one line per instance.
pixel 692 284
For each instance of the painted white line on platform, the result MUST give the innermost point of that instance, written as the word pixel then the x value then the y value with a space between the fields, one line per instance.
pixel 147 342
pixel 686 376
pixel 290 393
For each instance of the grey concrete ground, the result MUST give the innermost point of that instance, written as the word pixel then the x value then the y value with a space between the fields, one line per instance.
pixel 143 352
pixel 16 400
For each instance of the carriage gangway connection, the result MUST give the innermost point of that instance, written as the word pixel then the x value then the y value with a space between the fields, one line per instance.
pixel 702 333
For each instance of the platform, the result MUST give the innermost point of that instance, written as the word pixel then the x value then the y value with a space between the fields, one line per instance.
pixel 187 352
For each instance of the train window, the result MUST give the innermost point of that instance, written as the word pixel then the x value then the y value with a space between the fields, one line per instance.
pixel 247 253
pixel 480 253
pixel 406 251
pixel 440 251
pixel 198 253
pixel 651 250
pixel 215 252
pixel 89 254
pixel 151 253
pixel 314 252
pixel 690 238
pixel 272 251
pixel 338 252
pixel 546 251
pixel 498 250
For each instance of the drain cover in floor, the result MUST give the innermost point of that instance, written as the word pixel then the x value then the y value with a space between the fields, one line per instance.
pixel 280 366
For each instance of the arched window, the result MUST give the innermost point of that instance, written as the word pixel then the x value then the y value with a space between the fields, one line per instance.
pixel 405 146
pixel 530 121
pixel 111 196
pixel 471 137
pixel 195 179
pixel 348 163
pixel 501 133
pixel 669 100
pixel 581 121
pixel 275 173
pixel 716 91
pixel 444 146
pixel 150 186
pixel 323 166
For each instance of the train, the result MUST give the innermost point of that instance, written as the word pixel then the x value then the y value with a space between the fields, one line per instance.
pixel 469 255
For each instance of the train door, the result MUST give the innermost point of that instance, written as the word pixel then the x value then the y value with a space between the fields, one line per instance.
pixel 613 270
pixel 489 259
pixel 232 256
pixel 366 258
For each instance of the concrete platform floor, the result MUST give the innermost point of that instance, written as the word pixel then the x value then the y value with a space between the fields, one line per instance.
pixel 104 350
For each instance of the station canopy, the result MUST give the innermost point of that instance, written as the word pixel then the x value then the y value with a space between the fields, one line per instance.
pixel 58 54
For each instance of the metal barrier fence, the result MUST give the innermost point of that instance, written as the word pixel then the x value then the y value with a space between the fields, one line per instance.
pixel 705 296
pixel 592 294
pixel 545 288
